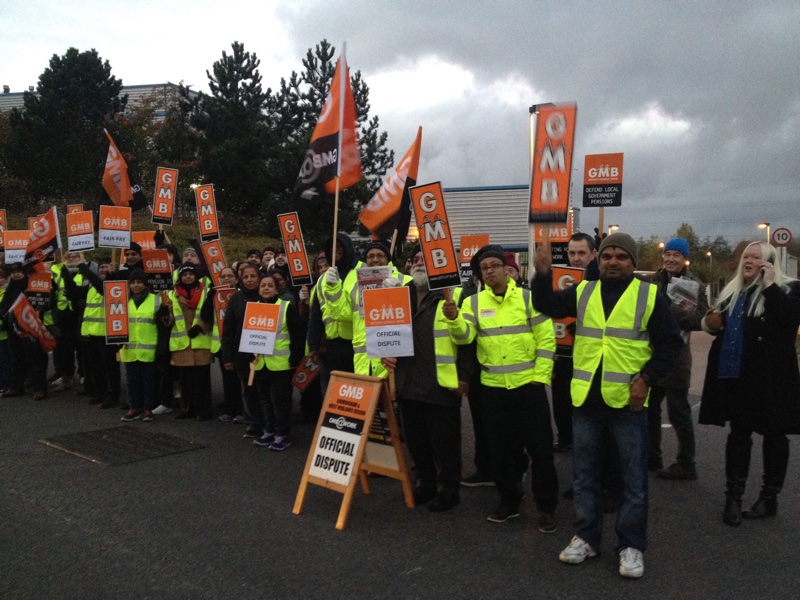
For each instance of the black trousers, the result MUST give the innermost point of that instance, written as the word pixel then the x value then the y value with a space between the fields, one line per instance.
pixel 64 353
pixel 519 419
pixel 775 454
pixel 562 399
pixel 196 391
pixel 231 390
pixel 433 437
pixel 28 360
pixel 103 369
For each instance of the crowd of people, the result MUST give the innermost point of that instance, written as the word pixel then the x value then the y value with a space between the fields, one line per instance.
pixel 492 340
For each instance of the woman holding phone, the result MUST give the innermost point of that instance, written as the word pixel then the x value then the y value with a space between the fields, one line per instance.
pixel 752 379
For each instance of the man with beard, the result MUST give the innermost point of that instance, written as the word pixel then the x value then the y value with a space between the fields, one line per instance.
pixel 429 389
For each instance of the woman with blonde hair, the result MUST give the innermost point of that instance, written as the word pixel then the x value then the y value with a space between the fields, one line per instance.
pixel 752 380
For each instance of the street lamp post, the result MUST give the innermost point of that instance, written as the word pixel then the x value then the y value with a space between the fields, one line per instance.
pixel 765 225
pixel 710 259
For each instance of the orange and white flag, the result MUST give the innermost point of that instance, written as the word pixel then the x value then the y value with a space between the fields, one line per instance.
pixel 390 207
pixel 334 150
pixel 30 324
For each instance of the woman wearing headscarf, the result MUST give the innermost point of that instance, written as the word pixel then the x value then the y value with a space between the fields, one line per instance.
pixel 191 317
pixel 752 379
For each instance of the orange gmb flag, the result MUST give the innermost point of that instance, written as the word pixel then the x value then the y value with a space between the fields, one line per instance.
pixel 29 323
pixel 116 182
pixel 390 207
pixel 552 164
pixel 44 238
pixel 207 212
pixel 334 150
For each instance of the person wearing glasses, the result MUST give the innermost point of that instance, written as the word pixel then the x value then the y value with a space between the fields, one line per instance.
pixel 515 349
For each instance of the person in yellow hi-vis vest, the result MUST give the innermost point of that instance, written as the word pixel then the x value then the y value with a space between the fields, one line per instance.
pixel 515 350
pixel 271 392
pixel 191 317
pixel 145 314
pixel 625 339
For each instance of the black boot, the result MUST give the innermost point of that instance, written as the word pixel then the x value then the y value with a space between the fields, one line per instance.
pixel 763 507
pixel 733 511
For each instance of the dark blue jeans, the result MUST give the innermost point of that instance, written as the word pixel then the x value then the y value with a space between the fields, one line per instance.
pixel 141 380
pixel 628 430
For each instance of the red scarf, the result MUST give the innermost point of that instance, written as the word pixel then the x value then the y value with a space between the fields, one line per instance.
pixel 189 297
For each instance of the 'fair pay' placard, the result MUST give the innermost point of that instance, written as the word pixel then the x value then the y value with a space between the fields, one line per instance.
pixel 260 328
pixel 387 316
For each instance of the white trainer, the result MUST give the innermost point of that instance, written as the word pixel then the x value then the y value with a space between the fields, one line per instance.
pixel 577 551
pixel 162 410
pixel 631 563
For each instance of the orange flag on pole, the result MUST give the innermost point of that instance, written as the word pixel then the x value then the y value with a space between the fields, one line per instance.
pixel 334 150
pixel 116 182
pixel 390 207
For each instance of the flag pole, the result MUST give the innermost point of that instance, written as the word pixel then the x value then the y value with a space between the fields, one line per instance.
pixel 343 80
pixel 394 242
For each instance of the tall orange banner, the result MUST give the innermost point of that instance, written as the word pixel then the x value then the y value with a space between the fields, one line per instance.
pixel 115 296
pixel 215 259
pixel 441 263
pixel 552 164
pixel 222 296
pixel 299 268
pixel 165 194
pixel 207 212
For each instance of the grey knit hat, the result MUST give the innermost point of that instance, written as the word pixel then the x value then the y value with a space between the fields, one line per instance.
pixel 621 240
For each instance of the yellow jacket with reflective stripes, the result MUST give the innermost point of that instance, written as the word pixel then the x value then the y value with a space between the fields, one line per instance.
pixel 279 359
pixel 94 314
pixel 621 342
pixel 362 364
pixel 516 343
pixel 179 336
pixel 142 330
pixel 334 302
pixel 62 302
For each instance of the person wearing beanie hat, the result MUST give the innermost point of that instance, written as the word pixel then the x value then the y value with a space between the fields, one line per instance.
pixel 515 348
pixel 621 240
pixel 253 256
pixel 145 314
pixel 626 340
pixel 512 268
pixel 190 255
pixel 133 258
pixel 377 254
pixel 674 386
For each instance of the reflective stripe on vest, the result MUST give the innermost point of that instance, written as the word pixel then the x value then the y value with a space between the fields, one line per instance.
pixel 179 337
pixel 621 342
pixel 279 359
pixel 94 314
pixel 142 330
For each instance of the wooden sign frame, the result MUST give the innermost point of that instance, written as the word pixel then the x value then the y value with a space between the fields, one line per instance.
pixel 378 391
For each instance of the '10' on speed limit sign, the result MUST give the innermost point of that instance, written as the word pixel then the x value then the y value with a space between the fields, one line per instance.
pixel 781 236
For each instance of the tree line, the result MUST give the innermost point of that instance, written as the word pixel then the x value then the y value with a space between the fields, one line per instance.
pixel 246 140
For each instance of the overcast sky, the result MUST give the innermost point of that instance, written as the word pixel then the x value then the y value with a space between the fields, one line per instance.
pixel 703 98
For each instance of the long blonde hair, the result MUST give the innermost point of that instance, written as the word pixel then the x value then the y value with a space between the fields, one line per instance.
pixel 730 293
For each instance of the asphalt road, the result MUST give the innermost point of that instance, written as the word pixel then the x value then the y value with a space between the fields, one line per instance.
pixel 218 523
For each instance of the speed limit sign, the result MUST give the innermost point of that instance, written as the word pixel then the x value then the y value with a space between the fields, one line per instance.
pixel 781 237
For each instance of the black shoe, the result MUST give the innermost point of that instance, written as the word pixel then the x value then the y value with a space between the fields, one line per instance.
pixel 547 523
pixel 253 432
pixel 654 465
pixel 763 507
pixel 423 495
pixel 733 512
pixel 503 513
pixel 180 415
pixel 562 446
pixel 109 404
pixel 678 471
pixel 444 501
